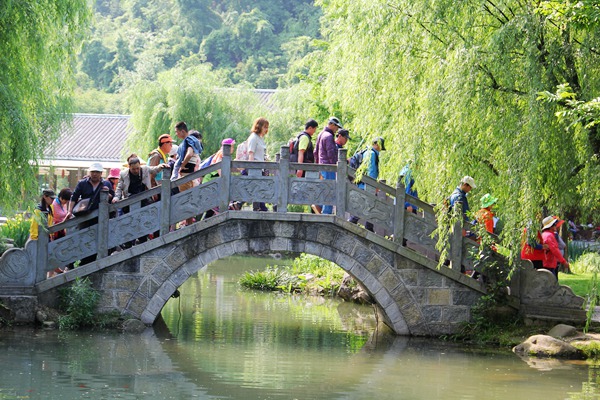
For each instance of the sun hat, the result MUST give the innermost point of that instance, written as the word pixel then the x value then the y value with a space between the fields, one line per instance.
pixel 166 138
pixel 229 141
pixel 469 181
pixel 487 200
pixel 49 192
pixel 335 121
pixel 173 151
pixel 96 167
pixel 548 222
pixel 114 173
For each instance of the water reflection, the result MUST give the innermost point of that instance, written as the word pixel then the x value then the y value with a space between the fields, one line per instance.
pixel 219 342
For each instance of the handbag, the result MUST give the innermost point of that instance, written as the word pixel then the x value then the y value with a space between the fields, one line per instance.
pixel 82 207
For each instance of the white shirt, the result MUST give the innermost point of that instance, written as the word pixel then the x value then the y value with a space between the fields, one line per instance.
pixel 257 145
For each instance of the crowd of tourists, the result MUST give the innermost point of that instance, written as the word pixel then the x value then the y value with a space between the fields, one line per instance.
pixel 184 159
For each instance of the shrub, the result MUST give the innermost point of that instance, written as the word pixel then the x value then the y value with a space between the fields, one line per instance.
pixel 17 229
pixel 586 263
pixel 79 304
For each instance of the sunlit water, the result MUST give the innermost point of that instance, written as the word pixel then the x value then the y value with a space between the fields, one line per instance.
pixel 219 341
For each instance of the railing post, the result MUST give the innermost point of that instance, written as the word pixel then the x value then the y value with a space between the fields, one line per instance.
pixel 456 240
pixel 165 202
pixel 103 220
pixel 225 181
pixel 399 212
pixel 41 258
pixel 341 184
pixel 284 179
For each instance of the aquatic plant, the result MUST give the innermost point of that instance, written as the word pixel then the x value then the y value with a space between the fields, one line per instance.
pixel 79 302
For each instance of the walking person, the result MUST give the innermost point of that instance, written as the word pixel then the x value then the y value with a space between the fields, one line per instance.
pixel 303 149
pixel 326 153
pixel 553 255
pixel 159 156
pixel 257 150
pixel 372 159
pixel 88 190
pixel 188 159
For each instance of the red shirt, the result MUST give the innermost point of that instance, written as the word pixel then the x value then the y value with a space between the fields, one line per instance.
pixel 553 254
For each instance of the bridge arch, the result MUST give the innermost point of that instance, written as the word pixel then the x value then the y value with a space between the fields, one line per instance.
pixel 414 299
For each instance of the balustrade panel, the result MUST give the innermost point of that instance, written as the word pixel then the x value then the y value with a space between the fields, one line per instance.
pixel 135 224
pixel 72 247
pixel 195 201
pixel 367 206
pixel 254 188
pixel 311 191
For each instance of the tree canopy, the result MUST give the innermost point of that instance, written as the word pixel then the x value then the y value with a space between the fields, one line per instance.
pixel 40 41
pixel 505 91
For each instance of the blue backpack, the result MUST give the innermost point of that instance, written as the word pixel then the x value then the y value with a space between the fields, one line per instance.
pixel 357 159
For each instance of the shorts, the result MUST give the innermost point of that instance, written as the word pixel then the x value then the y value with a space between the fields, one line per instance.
pixel 186 186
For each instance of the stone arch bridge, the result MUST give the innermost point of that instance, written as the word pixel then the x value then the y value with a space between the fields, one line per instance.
pixel 397 264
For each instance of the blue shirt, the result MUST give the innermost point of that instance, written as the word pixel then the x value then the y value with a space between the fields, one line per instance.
pixel 459 196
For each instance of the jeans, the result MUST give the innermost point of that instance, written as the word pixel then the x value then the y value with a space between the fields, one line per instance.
pixel 328 209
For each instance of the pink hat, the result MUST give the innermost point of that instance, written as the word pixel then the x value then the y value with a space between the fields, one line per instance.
pixel 228 141
pixel 114 173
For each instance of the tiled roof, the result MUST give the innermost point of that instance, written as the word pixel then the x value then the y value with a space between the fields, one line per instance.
pixel 92 137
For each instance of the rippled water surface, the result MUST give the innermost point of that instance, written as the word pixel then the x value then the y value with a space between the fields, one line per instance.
pixel 218 341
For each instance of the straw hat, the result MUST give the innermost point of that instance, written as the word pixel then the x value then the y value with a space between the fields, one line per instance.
pixel 548 222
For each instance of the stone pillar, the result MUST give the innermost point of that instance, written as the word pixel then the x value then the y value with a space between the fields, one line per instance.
pixel 341 183
pixel 225 181
pixel 399 212
pixel 165 202
pixel 103 221
pixel 283 180
pixel 41 258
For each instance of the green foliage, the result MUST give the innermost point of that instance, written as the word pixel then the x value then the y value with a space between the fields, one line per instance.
pixel 308 274
pixel 137 40
pixel 456 89
pixel 191 95
pixel 586 262
pixel 17 229
pixel 79 302
pixel 39 43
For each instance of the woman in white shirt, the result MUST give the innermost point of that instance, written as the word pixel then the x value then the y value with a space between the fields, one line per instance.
pixel 257 149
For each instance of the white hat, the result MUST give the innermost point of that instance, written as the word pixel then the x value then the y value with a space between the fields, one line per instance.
pixel 469 181
pixel 96 167
pixel 548 222
pixel 173 150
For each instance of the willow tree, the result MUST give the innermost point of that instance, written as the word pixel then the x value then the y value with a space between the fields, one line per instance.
pixel 458 88
pixel 39 42
pixel 199 97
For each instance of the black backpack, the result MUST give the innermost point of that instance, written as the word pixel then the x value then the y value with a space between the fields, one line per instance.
pixel 357 159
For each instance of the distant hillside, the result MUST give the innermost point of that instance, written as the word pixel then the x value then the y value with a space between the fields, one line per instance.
pixel 249 41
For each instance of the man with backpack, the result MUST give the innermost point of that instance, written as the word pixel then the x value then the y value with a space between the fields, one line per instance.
pixel 301 148
pixel 371 156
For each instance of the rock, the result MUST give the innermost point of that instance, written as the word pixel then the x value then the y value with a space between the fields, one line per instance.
pixel 547 346
pixel 133 326
pixel 562 331
pixel 352 291
pixel 41 316
pixel 49 325
pixel 6 314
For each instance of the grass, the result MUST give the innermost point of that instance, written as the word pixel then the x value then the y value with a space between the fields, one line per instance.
pixel 580 283
pixel 307 274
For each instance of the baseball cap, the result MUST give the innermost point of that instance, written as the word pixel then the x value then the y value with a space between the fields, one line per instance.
pixel 96 167
pixel 174 149
pixel 469 181
pixel 49 192
pixel 381 142
pixel 344 133
pixel 335 121
pixel 166 138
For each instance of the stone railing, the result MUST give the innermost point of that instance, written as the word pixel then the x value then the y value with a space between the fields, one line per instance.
pixel 109 227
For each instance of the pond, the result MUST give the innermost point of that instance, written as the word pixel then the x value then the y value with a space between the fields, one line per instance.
pixel 219 341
